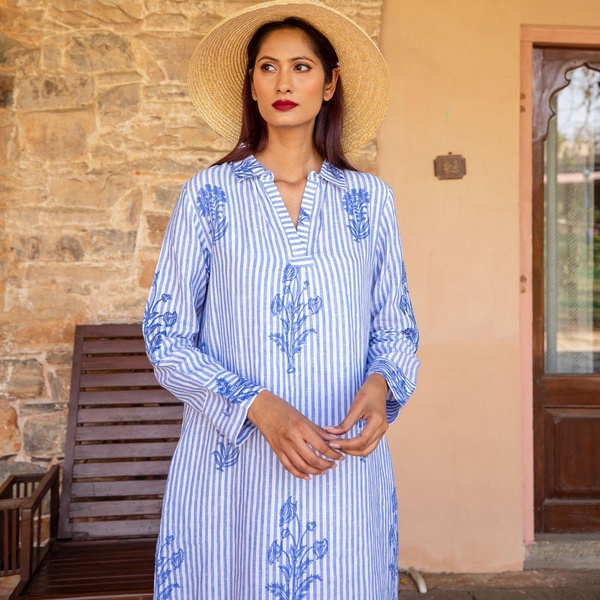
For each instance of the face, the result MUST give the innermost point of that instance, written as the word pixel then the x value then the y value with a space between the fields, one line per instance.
pixel 288 81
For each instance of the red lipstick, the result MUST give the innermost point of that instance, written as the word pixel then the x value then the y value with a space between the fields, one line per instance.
pixel 284 105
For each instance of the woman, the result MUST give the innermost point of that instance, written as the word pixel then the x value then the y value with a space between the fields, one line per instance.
pixel 280 316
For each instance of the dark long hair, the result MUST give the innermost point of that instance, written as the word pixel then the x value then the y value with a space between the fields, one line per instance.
pixel 327 134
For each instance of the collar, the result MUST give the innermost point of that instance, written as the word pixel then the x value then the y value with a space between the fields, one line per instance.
pixel 250 168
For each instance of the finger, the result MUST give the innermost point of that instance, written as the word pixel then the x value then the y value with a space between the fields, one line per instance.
pixel 358 447
pixel 354 414
pixel 302 462
pixel 314 460
pixel 289 466
pixel 324 447
pixel 369 437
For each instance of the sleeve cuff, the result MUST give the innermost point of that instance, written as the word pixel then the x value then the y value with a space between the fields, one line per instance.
pixel 226 406
pixel 400 388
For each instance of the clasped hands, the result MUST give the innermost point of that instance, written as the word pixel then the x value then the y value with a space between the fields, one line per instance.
pixel 304 448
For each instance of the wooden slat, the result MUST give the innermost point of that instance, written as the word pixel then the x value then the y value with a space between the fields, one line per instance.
pixel 121 362
pixel 116 508
pixel 105 489
pixel 141 450
pixel 129 432
pixel 157 395
pixel 116 529
pixel 114 346
pixel 121 469
pixel 112 380
pixel 127 414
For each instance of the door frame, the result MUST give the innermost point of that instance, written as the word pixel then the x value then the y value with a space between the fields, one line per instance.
pixel 533 35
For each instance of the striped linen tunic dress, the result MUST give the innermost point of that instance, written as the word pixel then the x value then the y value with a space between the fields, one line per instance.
pixel 243 301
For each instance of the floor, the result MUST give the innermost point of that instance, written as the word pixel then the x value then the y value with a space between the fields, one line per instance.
pixel 543 584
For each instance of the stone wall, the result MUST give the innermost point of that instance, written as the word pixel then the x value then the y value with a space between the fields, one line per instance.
pixel 97 135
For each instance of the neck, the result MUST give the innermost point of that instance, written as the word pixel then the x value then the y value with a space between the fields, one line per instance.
pixel 290 159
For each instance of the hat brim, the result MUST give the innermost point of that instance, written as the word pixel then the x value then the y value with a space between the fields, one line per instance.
pixel 218 66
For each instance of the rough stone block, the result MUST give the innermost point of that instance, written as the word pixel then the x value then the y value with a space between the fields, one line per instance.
pixel 22 378
pixel 51 57
pixel 10 442
pixel 118 104
pixel 165 197
pixel 9 49
pixel 8 147
pixel 9 467
pixel 59 380
pixel 44 435
pixel 157 225
pixel 147 273
pixel 57 136
pixel 171 54
pixel 96 13
pixel 99 52
pixel 109 243
pixel 55 92
pixel 7 84
pixel 93 190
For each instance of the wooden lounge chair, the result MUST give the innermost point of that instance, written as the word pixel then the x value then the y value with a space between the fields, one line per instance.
pixel 122 431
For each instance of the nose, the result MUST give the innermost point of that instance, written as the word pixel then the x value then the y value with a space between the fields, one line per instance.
pixel 284 82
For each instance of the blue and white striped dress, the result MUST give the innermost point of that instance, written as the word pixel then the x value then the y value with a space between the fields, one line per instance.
pixel 243 301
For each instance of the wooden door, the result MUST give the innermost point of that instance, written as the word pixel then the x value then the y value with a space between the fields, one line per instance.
pixel 566 288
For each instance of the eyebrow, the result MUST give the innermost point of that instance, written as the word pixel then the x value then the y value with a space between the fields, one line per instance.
pixel 272 59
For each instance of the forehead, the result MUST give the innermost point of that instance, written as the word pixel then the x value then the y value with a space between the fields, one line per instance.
pixel 286 41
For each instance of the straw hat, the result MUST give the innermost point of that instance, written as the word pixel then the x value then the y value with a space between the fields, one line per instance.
pixel 218 66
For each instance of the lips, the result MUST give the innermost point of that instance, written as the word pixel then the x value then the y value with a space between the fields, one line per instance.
pixel 284 105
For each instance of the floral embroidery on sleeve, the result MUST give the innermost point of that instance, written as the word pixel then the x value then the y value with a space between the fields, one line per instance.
pixel 235 392
pixel 155 321
pixel 294 554
pixel 355 204
pixel 166 564
pixel 211 201
pixel 293 310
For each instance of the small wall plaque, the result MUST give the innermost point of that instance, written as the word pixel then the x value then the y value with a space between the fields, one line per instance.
pixel 450 166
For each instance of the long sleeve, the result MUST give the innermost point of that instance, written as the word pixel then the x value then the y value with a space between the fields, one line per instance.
pixel 394 337
pixel 173 321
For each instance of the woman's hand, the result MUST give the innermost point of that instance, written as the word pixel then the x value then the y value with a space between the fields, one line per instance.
pixel 369 404
pixel 296 440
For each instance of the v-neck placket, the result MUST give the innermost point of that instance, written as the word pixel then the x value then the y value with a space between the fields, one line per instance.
pixel 298 238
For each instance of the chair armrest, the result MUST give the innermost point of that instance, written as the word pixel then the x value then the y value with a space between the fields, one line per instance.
pixel 33 549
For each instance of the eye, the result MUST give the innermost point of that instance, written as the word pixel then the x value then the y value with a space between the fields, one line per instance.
pixel 302 67
pixel 267 67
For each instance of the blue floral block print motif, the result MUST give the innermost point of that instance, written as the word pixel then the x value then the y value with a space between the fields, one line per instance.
pixel 226 455
pixel 293 309
pixel 211 201
pixel 155 321
pixel 235 392
pixel 167 562
pixel 294 555
pixel 355 204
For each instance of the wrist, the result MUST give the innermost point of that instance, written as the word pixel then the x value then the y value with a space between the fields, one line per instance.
pixel 259 406
pixel 379 380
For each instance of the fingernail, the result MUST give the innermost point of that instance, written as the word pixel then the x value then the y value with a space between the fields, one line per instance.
pixel 333 445
pixel 307 478
pixel 342 458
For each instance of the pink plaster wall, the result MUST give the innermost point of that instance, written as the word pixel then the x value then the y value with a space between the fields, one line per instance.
pixel 462 446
